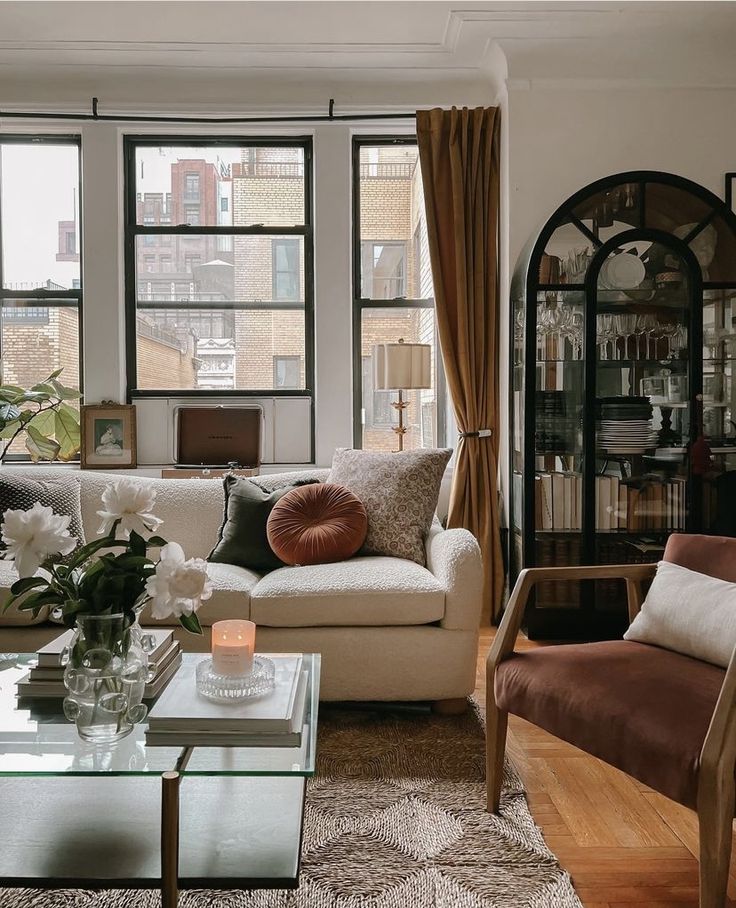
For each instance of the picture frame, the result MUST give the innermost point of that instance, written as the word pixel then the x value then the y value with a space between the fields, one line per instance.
pixel 108 436
pixel 730 191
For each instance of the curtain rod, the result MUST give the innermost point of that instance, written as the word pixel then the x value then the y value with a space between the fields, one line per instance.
pixel 95 116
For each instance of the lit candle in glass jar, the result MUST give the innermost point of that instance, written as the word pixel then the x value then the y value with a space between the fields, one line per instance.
pixel 233 645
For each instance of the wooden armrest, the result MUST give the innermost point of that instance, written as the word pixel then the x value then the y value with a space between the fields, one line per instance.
pixel 508 630
pixel 718 755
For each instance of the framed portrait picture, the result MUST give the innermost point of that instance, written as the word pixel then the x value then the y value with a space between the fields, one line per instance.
pixel 730 194
pixel 108 436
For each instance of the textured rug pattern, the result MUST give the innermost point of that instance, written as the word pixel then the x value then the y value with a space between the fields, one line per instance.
pixel 395 818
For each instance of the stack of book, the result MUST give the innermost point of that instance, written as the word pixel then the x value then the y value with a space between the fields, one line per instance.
pixel 46 680
pixel 182 717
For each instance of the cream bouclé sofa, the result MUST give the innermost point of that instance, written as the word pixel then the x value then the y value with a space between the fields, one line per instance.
pixel 387 629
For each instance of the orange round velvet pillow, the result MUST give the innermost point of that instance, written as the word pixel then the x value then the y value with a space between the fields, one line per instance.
pixel 316 524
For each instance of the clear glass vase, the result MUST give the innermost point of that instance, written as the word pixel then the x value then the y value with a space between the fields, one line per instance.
pixel 105 677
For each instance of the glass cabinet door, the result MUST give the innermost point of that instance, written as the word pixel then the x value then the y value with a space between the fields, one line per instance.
pixel 643 418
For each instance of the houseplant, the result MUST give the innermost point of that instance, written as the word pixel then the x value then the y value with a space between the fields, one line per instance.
pixel 99 590
pixel 50 423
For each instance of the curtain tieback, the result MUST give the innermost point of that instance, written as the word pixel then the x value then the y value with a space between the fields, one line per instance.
pixel 478 433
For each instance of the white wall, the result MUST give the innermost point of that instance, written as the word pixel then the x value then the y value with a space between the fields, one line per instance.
pixel 561 139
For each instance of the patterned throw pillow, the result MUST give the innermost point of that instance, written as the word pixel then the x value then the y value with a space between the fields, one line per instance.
pixel 19 491
pixel 400 493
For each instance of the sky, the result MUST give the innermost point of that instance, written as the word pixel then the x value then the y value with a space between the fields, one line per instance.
pixel 40 187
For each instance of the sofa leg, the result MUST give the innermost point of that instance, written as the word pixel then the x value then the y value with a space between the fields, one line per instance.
pixel 497 721
pixel 715 818
pixel 454 707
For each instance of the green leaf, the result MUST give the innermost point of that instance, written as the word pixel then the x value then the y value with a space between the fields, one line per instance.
pixel 40 447
pixel 66 430
pixel 9 430
pixel 43 388
pixel 37 600
pixel 190 623
pixel 27 583
pixel 43 422
pixel 157 541
pixel 9 412
pixel 64 392
pixel 55 374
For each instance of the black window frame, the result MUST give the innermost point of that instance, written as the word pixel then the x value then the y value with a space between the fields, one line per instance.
pixel 41 298
pixel 132 230
pixel 361 303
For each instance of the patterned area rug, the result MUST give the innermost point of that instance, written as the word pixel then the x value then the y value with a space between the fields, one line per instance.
pixel 395 819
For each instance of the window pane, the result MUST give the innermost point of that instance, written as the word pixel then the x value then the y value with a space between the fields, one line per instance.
pixel 201 268
pixel 220 349
pixel 387 326
pixel 393 232
pixel 39 196
pixel 220 185
pixel 37 340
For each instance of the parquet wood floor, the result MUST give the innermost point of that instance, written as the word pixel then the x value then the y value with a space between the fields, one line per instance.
pixel 624 845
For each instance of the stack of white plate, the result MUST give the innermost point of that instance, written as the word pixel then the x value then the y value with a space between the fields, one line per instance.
pixel 627 436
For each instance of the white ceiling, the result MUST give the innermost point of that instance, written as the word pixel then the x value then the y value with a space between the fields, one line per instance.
pixel 131 49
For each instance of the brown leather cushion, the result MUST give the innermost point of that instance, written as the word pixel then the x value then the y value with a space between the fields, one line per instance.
pixel 317 524
pixel 643 709
pixel 711 555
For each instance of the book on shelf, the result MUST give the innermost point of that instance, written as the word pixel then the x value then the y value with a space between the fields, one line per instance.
pixel 633 505
pixel 28 689
pixel 49 656
pixel 182 708
pixel 290 736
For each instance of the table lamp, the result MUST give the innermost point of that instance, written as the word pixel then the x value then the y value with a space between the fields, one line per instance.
pixel 401 367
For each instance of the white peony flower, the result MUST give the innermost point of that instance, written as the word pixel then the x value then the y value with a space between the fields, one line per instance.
pixel 131 503
pixel 31 536
pixel 179 586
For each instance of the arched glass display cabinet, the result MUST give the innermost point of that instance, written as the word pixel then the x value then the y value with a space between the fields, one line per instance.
pixel 623 401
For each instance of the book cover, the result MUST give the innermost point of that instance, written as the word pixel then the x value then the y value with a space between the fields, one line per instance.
pixel 49 656
pixel 28 689
pixel 181 706
pixel 217 738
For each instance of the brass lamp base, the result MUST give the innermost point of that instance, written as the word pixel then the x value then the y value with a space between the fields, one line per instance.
pixel 400 430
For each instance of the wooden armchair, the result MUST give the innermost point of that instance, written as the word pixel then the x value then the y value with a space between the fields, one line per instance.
pixel 666 719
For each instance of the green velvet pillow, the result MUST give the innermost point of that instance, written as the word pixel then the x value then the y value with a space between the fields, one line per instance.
pixel 242 540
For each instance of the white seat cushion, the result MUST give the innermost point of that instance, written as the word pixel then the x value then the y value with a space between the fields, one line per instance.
pixel 376 591
pixel 230 597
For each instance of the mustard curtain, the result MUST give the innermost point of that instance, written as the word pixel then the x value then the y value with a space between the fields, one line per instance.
pixel 459 155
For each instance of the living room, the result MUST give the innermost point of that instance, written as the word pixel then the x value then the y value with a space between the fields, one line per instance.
pixel 367 453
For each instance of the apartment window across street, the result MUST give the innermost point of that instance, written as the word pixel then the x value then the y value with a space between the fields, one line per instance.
pixel 40 274
pixel 238 318
pixel 393 294
pixel 286 269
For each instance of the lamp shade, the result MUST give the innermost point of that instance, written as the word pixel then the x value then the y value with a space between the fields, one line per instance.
pixel 401 367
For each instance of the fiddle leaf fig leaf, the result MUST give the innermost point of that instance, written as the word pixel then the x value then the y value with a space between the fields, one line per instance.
pixel 40 447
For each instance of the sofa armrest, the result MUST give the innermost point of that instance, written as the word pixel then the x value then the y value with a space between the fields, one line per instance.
pixel 453 556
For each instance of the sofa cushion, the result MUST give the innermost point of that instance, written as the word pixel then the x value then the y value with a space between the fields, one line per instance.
pixel 640 708
pixel 13 617
pixel 19 491
pixel 400 493
pixel 373 591
pixel 690 613
pixel 317 524
pixel 230 596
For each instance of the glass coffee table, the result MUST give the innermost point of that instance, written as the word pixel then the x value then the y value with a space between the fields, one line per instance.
pixel 131 816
